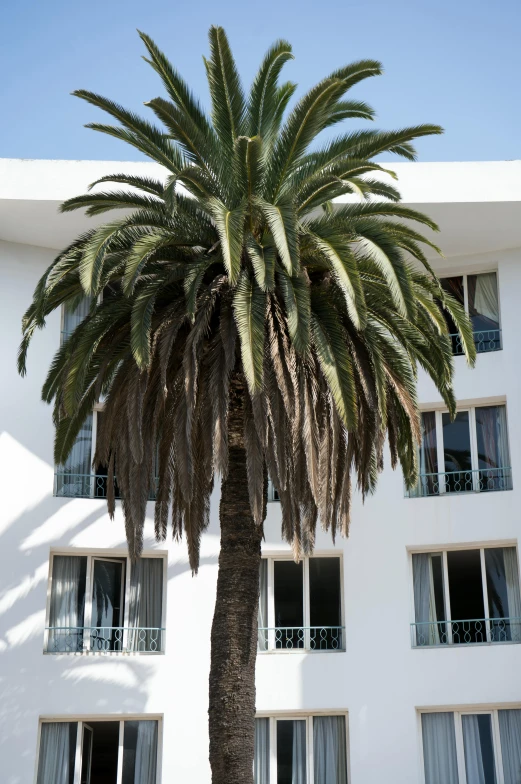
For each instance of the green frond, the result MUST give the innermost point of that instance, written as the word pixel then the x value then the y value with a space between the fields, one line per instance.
pixel 264 97
pixel 230 228
pixel 228 102
pixel 249 307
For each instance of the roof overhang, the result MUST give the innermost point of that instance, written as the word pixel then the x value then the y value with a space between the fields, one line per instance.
pixel 477 205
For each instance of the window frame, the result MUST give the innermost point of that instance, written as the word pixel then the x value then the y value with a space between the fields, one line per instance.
pixel 81 719
pixel 470 408
pixel 106 555
pixel 468 710
pixel 443 551
pixel 308 717
pixel 465 276
pixel 270 591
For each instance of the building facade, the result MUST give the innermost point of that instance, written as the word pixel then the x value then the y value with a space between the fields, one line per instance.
pixel 394 655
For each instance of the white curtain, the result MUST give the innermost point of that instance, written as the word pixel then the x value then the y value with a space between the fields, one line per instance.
pixel 72 318
pixel 510 734
pixel 439 748
pixel 146 753
pixel 262 621
pixel 486 299
pixel 67 604
pixel 427 631
pixel 73 477
pixel 298 773
pixel 261 759
pixel 55 761
pixel 329 750
pixel 146 604
pixel 513 595
pixel 473 754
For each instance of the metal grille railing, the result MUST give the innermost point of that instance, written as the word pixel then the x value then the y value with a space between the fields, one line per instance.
pixel 310 638
pixel 482 480
pixel 68 485
pixel 465 632
pixel 104 639
pixel 485 340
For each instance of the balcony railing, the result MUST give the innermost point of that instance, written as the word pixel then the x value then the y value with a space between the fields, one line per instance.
pixel 104 639
pixel 482 480
pixel 467 632
pixel 485 340
pixel 87 486
pixel 304 638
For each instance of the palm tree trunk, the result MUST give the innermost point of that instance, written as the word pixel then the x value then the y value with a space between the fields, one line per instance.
pixel 234 628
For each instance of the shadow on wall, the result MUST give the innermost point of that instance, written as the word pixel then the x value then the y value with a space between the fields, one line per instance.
pixel 34 684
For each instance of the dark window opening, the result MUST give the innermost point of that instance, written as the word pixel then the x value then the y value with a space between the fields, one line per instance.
pixel 289 604
pixel 324 602
pixel 466 596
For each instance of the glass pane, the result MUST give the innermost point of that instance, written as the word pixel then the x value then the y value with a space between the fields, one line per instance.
pixel 73 479
pixel 503 593
pixel 289 604
pixel 261 760
pixel 429 604
pixel 86 756
pixel 428 482
pixel 466 597
pixel 291 752
pixel 483 301
pixel 479 749
pixel 329 750
pixel 67 606
pixel 493 451
pixel 456 450
pixel 57 752
pixel 139 752
pixel 107 605
pixel 454 286
pixel 324 603
pixel 510 734
pixel 72 318
pixel 439 748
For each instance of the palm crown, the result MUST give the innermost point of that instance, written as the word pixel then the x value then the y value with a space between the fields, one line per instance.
pixel 235 283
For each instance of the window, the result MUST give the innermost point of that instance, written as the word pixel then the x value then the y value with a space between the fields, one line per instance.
pixel 105 604
pixel 300 604
pixel 472 747
pixel 466 455
pixel 115 752
pixel 466 596
pixel 301 750
pixel 479 296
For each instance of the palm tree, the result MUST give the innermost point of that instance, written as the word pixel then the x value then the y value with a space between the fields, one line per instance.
pixel 247 326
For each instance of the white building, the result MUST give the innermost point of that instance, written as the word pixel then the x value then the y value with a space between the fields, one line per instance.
pixel 419 663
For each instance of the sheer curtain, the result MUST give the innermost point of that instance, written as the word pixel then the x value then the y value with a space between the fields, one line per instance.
pixel 510 734
pixel 513 595
pixel 261 759
pixel 146 753
pixel 493 451
pixel 57 752
pixel 483 299
pixel 439 748
pixel 427 457
pixel 67 606
pixel 473 755
pixel 329 750
pixel 72 318
pixel 262 621
pixel 299 753
pixel 73 477
pixel 146 605
pixel 427 630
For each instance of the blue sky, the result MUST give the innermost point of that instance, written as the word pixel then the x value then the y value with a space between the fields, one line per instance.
pixel 452 62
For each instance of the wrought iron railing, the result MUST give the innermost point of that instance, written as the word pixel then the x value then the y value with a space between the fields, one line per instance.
pixel 467 632
pixel 310 638
pixel 87 486
pixel 104 639
pixel 482 480
pixel 485 340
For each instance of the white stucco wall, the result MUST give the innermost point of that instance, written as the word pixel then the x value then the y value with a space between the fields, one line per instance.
pixel 379 680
